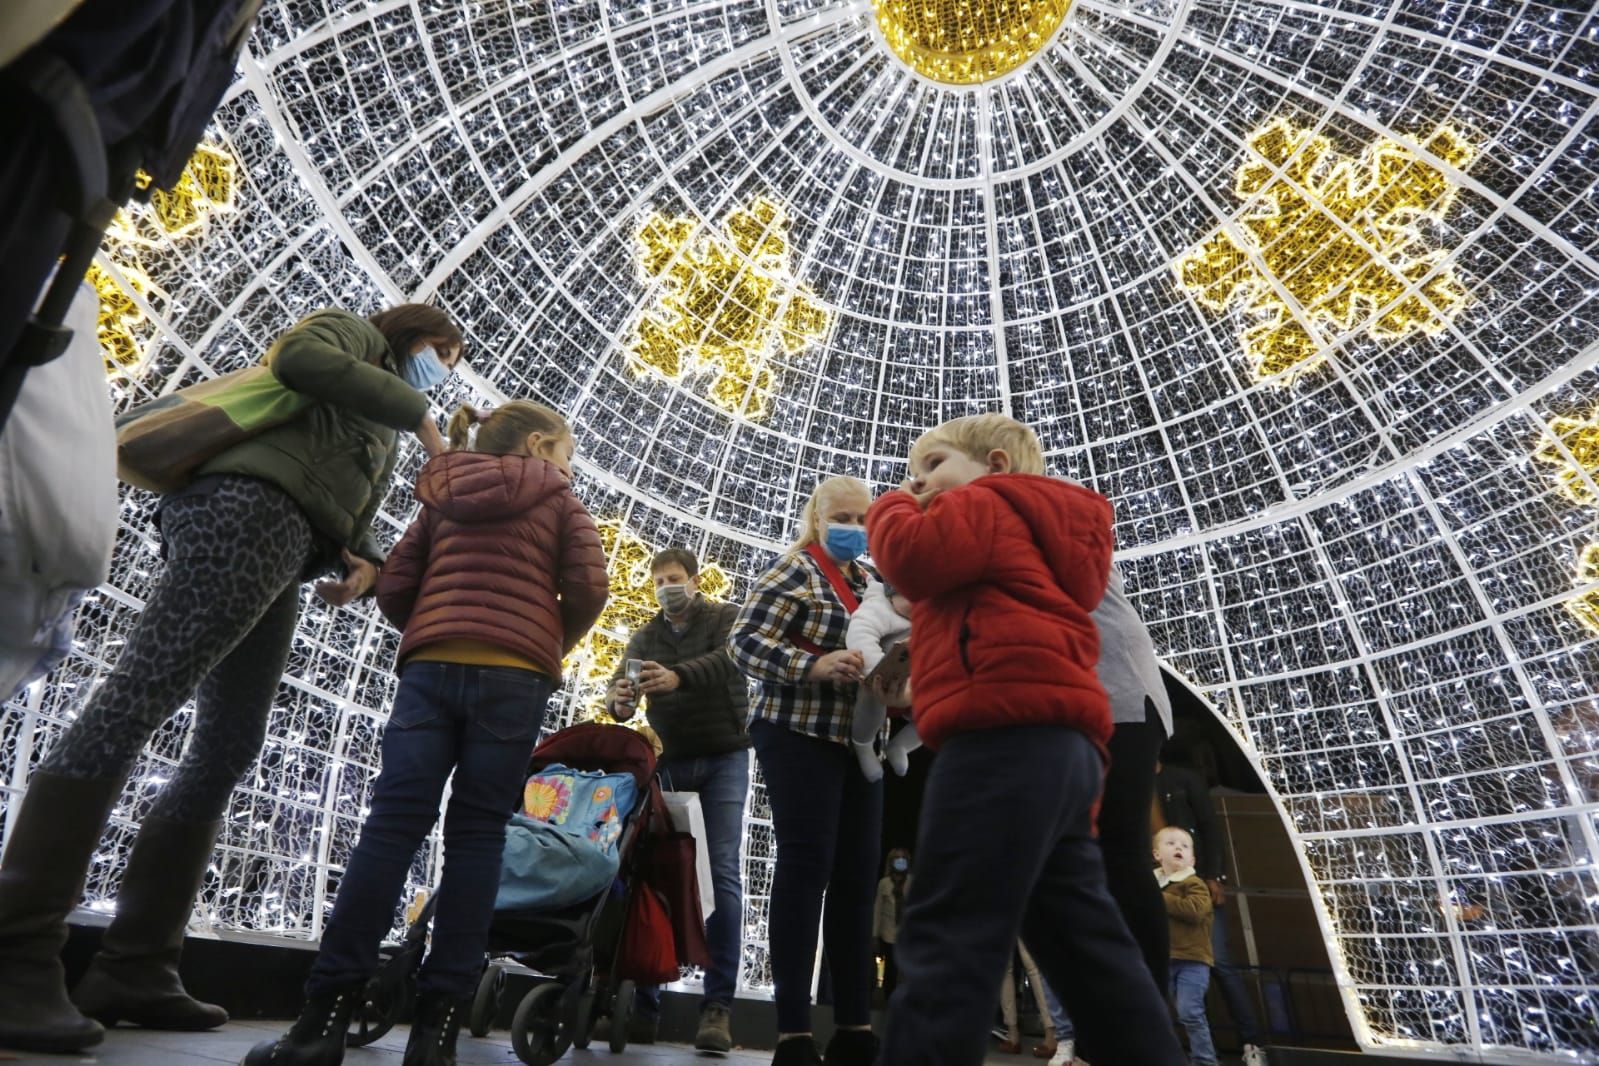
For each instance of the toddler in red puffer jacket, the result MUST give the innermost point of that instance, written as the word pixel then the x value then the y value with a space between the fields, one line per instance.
pixel 1003 566
pixel 498 578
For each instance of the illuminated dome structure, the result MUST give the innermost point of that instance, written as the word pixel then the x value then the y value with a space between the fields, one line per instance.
pixel 1308 290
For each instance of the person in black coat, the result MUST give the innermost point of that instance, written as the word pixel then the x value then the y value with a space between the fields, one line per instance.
pixel 697 703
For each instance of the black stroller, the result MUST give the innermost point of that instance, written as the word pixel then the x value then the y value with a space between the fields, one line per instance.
pixel 576 946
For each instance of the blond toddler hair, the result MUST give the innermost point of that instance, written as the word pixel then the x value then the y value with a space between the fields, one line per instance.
pixel 977 435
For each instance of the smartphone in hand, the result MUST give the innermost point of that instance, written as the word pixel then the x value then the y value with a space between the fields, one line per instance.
pixel 894 668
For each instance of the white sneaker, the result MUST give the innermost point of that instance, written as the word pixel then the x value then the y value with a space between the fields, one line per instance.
pixel 1065 1052
pixel 1254 1055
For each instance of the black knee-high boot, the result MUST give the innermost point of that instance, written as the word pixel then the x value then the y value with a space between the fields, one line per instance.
pixel 41 880
pixel 134 978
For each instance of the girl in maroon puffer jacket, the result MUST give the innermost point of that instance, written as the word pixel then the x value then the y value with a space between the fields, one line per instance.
pixel 498 578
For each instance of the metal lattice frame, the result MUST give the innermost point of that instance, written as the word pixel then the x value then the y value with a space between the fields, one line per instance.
pixel 1365 571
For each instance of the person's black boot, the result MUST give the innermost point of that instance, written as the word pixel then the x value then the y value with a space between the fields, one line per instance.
pixel 134 977
pixel 434 1029
pixel 317 1038
pixel 796 1051
pixel 41 880
pixel 851 1047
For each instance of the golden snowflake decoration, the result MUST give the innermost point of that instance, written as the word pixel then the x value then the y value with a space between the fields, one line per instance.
pixel 729 304
pixel 630 606
pixel 1572 445
pixel 1585 605
pixel 120 315
pixel 1336 235
pixel 205 188
pixel 180 214
pixel 1575 449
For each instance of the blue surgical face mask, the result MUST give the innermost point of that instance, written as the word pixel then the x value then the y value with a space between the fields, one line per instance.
pixel 845 543
pixel 424 370
pixel 901 865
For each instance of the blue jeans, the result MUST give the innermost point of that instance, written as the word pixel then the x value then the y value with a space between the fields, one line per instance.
pixel 1064 1030
pixel 828 821
pixel 1233 990
pixel 481 723
pixel 1189 982
pixel 723 782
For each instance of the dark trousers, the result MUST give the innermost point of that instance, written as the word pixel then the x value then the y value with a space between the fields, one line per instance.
pixel 1124 837
pixel 890 970
pixel 479 722
pixel 1234 991
pixel 723 783
pixel 828 821
pixel 1006 849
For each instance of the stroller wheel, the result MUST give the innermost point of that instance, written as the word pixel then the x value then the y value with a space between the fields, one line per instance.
pixel 538 1033
pixel 583 1018
pixel 387 994
pixel 621 1015
pixel 486 1004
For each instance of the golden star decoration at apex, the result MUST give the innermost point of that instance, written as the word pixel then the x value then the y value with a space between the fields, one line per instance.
pixel 966 42
pixel 1337 235
pixel 727 304
pixel 182 213
pixel 1573 447
pixel 631 604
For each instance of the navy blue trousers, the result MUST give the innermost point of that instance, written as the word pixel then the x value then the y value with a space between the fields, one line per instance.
pixel 1006 848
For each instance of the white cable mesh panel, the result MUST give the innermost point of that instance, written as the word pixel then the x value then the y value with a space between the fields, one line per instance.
pixel 1353 491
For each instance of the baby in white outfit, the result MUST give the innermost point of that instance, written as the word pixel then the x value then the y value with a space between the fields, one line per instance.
pixel 882 620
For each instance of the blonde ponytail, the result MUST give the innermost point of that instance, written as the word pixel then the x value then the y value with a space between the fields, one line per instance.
pixel 459 431
pixel 505 430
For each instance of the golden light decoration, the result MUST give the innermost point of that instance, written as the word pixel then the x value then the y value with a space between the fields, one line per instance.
pixel 1585 606
pixel 1573 446
pixel 1578 439
pixel 964 42
pixel 119 317
pixel 1341 236
pixel 630 606
pixel 182 213
pixel 206 187
pixel 729 304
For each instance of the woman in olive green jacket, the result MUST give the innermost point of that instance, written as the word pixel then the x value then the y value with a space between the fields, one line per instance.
pixel 288 505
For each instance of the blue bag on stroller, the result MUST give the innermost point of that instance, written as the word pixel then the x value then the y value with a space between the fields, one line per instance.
pixel 561 848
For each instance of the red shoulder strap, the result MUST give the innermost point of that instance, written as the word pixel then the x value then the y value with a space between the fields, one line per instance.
pixel 834 575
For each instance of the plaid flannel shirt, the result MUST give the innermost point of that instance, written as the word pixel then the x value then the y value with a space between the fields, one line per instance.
pixel 795 597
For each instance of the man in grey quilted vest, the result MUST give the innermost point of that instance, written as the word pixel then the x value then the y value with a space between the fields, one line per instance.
pixel 697 702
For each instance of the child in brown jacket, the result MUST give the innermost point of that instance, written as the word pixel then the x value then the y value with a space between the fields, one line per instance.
pixel 1188 909
pixel 497 579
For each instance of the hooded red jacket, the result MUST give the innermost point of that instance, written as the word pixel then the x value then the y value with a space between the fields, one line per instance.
pixel 502 553
pixel 1002 573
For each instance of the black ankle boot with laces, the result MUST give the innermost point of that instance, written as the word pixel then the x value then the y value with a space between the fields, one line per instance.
pixel 317 1038
pixel 433 1030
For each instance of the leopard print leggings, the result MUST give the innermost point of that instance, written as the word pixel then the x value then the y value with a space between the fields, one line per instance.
pixel 217 627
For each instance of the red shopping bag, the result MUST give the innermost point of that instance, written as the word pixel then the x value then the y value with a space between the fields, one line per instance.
pixel 649 951
pixel 670 868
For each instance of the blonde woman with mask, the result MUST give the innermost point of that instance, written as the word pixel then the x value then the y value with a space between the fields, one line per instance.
pixel 790 638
